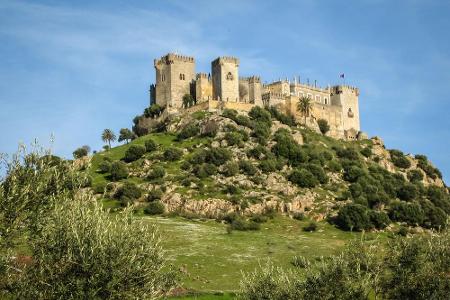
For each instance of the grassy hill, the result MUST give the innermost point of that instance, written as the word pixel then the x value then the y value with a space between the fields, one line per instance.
pixel 229 191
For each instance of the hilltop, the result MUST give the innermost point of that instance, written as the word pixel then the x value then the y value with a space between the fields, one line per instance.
pixel 243 168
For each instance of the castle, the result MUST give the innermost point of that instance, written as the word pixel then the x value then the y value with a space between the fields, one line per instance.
pixel 223 88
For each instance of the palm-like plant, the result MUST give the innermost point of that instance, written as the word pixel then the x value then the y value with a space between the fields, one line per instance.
pixel 304 106
pixel 108 136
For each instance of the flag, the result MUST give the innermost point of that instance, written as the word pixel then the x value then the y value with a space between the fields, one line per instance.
pixel 342 75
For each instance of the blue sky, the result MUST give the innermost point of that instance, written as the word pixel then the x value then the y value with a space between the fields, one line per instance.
pixel 73 68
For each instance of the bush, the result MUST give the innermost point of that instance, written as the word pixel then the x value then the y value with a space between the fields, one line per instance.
pixel 229 113
pixel 399 159
pixel 312 226
pixel 210 129
pixel 205 170
pixel 367 151
pixel 407 192
pixel 323 126
pixel 334 166
pixel 415 175
pixel 261 131
pixel 154 194
pixel 318 172
pixel 283 118
pixel 233 138
pixel 243 225
pixel 298 216
pixel 118 170
pixel 348 153
pixel 379 219
pixel 80 152
pixel 247 167
pixel 173 154
pixel 411 213
pixel 188 131
pixel 353 217
pixel 154 208
pixel 268 165
pixel 104 167
pixel 231 169
pixel 353 173
pixel 231 189
pixel 217 156
pixel 156 173
pixel 150 145
pixel 128 192
pixel 303 178
pixel 259 114
pixel 134 152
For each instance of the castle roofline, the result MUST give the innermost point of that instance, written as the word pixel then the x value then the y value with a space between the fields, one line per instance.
pixel 173 57
pixel 226 59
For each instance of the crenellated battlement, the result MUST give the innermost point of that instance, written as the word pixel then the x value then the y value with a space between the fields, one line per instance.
pixel 203 76
pixel 337 89
pixel 170 58
pixel 226 59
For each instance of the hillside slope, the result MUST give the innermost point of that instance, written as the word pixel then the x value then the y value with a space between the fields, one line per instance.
pixel 238 168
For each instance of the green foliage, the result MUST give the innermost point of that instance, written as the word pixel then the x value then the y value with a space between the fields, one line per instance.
pixel 127 193
pixel 283 118
pixel 379 219
pixel 439 197
pixel 323 126
pixel 428 168
pixel 154 194
pixel 150 145
pixel 268 165
pixel 415 175
pixel 156 173
pixel 237 222
pixel 205 170
pixel 173 154
pixel 229 113
pixel 233 138
pixel 80 152
pixel 216 156
pixel 243 121
pixel 104 167
pixel 407 192
pixel 317 171
pixel 126 135
pixel 247 167
pixel 84 253
pixel 119 170
pixel 261 115
pixel 188 100
pixel 347 153
pixel 210 129
pixel 108 136
pixel 399 159
pixel 353 173
pixel 154 208
pixel 304 106
pixel 312 226
pixel 287 147
pixel 303 178
pixel 411 213
pixel 353 217
pixel 153 111
pixel 190 130
pixel 366 151
pixel 134 152
pixel 230 169
pixel 261 131
pixel 334 166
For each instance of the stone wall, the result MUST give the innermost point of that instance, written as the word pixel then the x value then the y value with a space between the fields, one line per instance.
pixel 347 97
pixel 203 87
pixel 225 79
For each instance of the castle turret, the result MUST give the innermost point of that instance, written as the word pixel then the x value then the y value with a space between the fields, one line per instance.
pixel 225 79
pixel 175 75
pixel 203 87
pixel 347 97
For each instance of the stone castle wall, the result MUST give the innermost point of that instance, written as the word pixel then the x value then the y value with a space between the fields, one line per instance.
pixel 225 78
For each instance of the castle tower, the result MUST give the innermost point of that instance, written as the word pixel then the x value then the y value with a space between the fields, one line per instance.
pixel 348 98
pixel 175 75
pixel 225 79
pixel 255 90
pixel 203 87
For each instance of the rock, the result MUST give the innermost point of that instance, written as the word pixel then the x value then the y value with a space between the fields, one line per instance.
pixel 376 140
pixel 298 137
pixel 215 144
pixel 224 143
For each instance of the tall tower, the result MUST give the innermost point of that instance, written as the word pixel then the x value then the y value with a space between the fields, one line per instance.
pixel 348 98
pixel 203 87
pixel 225 79
pixel 255 90
pixel 175 75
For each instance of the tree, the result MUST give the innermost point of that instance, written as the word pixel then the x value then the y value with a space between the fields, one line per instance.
pixel 188 100
pixel 108 136
pixel 117 257
pixel 353 217
pixel 304 106
pixel 134 152
pixel 79 153
pixel 323 126
pixel 118 170
pixel 126 135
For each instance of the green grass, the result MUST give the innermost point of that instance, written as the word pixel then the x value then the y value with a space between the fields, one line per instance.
pixel 214 260
pixel 206 296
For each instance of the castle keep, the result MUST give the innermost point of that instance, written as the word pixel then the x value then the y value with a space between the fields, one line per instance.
pixel 223 88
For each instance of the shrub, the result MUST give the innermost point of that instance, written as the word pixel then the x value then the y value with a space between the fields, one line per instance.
pixel 185 165
pixel 134 152
pixel 261 131
pixel 259 219
pixel 353 217
pixel 259 114
pixel 323 126
pixel 353 173
pixel 231 169
pixel 154 208
pixel 80 152
pixel 399 159
pixel 407 192
pixel 367 151
pixel 312 226
pixel 156 173
pixel 173 154
pixel 379 219
pixel 233 138
pixel 243 121
pixel 231 189
pixel 229 113
pixel 415 175
pixel 283 118
pixel 210 129
pixel 439 197
pixel 118 170
pixel 188 131
pixel 150 145
pixel 318 172
pixel 303 178
pixel 154 194
pixel 205 170
pixel 217 156
pixel 243 225
pixel 334 166
pixel 247 167
pixel 298 216
pixel 268 165
pixel 411 213
pixel 127 192
pixel 348 153
pixel 435 217
pixel 104 166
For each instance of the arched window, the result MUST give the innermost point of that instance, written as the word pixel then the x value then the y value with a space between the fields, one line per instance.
pixel 229 76
pixel 182 77
pixel 350 113
pixel 163 77
pixel 318 98
pixel 325 100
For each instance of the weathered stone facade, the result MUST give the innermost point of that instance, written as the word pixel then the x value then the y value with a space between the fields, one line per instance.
pixel 176 77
